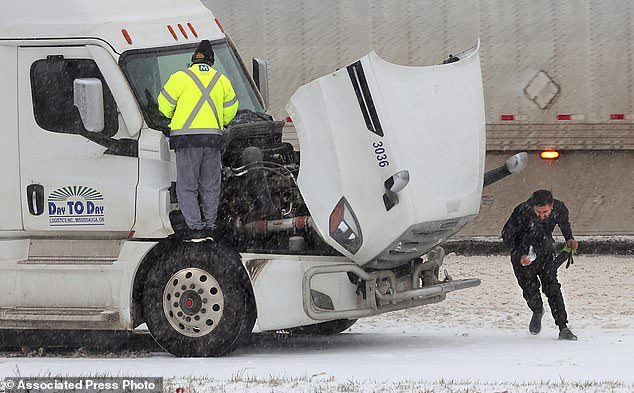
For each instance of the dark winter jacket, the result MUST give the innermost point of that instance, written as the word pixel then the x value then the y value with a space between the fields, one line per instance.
pixel 523 229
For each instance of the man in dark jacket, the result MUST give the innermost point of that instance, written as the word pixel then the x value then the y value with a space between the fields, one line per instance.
pixel 528 236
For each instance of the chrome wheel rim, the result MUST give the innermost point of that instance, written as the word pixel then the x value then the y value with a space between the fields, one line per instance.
pixel 193 302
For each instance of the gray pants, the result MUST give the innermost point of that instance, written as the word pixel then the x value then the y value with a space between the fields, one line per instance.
pixel 198 176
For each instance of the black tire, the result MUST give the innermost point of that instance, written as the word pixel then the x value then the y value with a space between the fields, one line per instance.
pixel 198 300
pixel 324 328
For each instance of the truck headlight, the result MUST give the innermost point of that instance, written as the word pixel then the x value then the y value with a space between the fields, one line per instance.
pixel 344 227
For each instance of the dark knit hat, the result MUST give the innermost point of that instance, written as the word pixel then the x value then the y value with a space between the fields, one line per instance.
pixel 542 198
pixel 204 53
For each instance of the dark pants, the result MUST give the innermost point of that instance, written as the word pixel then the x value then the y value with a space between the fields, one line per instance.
pixel 529 278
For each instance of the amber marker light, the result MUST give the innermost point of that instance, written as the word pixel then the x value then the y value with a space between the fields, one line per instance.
pixel 183 32
pixel 191 28
pixel 172 32
pixel 126 36
pixel 219 25
pixel 549 155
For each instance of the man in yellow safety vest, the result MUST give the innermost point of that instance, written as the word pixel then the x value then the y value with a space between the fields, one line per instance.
pixel 200 101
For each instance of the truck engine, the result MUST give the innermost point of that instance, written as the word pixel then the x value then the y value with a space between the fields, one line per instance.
pixel 261 207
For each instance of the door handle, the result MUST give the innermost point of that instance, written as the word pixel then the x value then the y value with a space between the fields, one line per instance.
pixel 35 199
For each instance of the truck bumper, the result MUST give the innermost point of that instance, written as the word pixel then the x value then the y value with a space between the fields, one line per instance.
pixel 293 291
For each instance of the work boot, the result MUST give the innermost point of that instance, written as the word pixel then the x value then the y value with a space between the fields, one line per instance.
pixel 566 334
pixel 197 235
pixel 535 326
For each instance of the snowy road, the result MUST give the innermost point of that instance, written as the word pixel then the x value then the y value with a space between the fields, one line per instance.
pixel 477 339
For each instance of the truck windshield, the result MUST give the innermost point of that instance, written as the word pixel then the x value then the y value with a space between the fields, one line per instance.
pixel 147 71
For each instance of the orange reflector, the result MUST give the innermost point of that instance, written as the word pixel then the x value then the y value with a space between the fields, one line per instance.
pixel 549 155
pixel 182 29
pixel 169 27
pixel 191 27
pixel 219 25
pixel 126 36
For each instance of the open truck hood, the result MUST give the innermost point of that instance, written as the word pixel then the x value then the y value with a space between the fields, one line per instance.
pixel 374 125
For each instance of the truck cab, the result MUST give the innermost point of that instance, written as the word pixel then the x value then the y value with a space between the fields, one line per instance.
pixel 80 197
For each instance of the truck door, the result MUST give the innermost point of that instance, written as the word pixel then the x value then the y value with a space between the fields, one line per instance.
pixel 70 184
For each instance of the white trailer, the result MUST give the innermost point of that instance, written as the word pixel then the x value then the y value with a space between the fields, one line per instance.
pixel 89 215
pixel 556 74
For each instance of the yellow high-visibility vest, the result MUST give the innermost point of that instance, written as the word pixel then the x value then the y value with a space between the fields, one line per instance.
pixel 199 100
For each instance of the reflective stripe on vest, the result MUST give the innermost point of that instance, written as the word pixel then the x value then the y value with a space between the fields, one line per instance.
pixel 196 131
pixel 168 97
pixel 230 103
pixel 206 97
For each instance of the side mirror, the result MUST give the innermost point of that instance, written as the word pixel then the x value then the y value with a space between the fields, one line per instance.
pixel 397 181
pixel 514 164
pixel 393 185
pixel 517 162
pixel 261 78
pixel 88 98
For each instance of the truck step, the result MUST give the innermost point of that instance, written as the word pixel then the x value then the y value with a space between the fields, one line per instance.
pixel 59 317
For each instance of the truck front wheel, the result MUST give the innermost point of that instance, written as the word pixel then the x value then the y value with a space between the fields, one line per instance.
pixel 198 300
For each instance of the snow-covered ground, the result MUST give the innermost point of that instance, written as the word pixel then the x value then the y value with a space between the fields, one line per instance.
pixel 475 341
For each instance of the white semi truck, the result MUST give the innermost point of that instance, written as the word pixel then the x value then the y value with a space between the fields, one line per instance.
pixel 89 214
